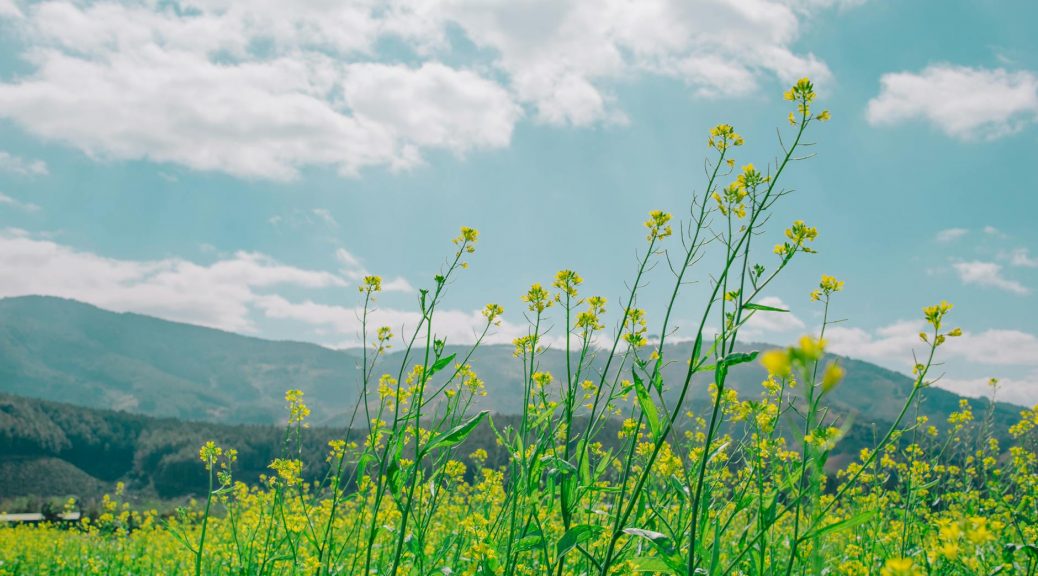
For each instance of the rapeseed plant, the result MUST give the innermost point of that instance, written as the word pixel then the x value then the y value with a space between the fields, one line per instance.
pixel 605 473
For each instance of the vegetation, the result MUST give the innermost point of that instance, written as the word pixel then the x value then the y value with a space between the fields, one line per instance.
pixel 609 470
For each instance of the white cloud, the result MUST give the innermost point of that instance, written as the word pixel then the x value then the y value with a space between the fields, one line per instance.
pixel 219 295
pixel 987 274
pixel 27 206
pixel 894 344
pixel 325 216
pixel 231 293
pixel 456 326
pixel 355 271
pixel 22 166
pixel 432 106
pixel 9 9
pixel 992 231
pixel 1021 258
pixel 265 89
pixel 771 322
pixel 951 234
pixel 1022 391
pixel 962 102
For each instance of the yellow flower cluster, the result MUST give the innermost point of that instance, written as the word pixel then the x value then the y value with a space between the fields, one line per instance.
pixel 724 136
pixel 658 225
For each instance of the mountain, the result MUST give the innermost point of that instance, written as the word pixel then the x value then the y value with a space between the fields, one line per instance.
pixel 56 450
pixel 63 350
pixel 65 365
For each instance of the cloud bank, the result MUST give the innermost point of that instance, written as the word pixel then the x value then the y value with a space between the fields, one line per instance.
pixel 266 89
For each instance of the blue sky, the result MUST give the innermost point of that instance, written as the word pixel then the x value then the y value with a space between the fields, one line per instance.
pixel 240 167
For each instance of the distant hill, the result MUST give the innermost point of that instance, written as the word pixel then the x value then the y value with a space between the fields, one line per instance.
pixel 63 350
pixel 57 450
pixel 65 365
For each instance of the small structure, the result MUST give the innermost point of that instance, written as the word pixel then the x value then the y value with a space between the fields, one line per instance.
pixel 37 517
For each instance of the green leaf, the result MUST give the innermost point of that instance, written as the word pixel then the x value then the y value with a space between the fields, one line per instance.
pixel 528 543
pixel 585 463
pixel 440 364
pixel 761 307
pixel 576 535
pixel 654 537
pixel 647 405
pixel 845 524
pixel 455 435
pixel 736 358
pixel 652 564
pixel 558 465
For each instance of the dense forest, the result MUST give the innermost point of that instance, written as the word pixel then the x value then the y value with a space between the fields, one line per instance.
pixel 51 451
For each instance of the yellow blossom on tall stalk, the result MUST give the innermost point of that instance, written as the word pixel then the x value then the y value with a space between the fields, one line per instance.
pixel 724 136
pixel 658 225
pixel 297 410
pixel 567 281
pixel 537 299
pixel 826 287
pixel 492 313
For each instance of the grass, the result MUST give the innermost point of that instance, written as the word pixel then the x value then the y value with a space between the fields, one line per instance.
pixel 741 488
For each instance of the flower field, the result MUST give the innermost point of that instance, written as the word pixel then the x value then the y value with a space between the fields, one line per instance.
pixel 605 475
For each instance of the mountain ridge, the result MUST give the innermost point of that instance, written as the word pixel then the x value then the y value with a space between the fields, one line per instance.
pixel 64 350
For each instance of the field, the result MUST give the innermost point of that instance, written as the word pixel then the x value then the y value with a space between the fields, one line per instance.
pixel 605 475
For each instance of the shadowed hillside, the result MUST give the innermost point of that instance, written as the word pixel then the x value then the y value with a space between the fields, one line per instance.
pixel 67 351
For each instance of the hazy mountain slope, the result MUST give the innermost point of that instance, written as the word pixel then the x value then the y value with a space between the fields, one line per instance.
pixel 72 352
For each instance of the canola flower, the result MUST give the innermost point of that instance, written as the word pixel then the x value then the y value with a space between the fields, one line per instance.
pixel 610 469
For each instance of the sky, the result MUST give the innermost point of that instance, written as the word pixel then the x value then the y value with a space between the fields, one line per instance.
pixel 243 165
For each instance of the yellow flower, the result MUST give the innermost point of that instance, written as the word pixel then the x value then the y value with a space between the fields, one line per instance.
pixel 900 567
pixel 658 225
pixel 723 136
pixel 537 298
pixel 776 362
pixel 208 454
pixel 934 314
pixel 288 470
pixel 832 376
pixel 371 284
pixel 297 410
pixel 493 312
pixel 811 349
pixel 567 281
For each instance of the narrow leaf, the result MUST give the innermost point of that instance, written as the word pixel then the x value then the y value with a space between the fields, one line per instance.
pixel 647 405
pixel 441 364
pixel 845 524
pixel 455 435
pixel 576 535
pixel 761 307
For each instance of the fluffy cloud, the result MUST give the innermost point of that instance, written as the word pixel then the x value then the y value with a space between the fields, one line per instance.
pixel 762 323
pixel 962 102
pixel 1022 391
pixel 230 293
pixel 355 271
pixel 893 343
pixel 988 274
pixel 1021 258
pixel 456 326
pixel 21 166
pixel 264 89
pixel 8 201
pixel 218 295
pixel 892 346
pixel 951 234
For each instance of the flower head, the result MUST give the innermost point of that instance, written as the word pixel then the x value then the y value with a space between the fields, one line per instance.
pixel 658 225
